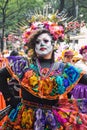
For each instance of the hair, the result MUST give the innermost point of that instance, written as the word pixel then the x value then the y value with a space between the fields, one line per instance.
pixel 68 53
pixel 14 53
pixel 33 38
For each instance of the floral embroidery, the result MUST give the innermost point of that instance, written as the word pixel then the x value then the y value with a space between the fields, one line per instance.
pixel 46 86
pixel 33 80
pixel 53 85
pixel 49 84
pixel 27 118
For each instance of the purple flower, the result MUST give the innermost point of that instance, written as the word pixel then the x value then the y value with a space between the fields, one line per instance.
pixel 84 106
pixel 50 119
pixel 40 120
pixel 38 125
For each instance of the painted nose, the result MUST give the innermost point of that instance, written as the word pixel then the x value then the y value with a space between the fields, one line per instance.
pixel 42 43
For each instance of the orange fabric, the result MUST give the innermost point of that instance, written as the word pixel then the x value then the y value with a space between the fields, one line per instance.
pixel 2 106
pixel 3 62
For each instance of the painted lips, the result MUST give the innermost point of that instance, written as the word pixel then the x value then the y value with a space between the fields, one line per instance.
pixel 42 49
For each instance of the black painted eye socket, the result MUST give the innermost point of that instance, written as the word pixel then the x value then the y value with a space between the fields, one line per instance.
pixel 37 42
pixel 46 40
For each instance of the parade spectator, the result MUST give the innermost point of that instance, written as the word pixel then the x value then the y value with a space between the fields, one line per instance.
pixel 80 91
pixel 68 56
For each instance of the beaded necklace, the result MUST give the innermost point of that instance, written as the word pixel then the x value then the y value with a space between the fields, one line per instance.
pixel 46 70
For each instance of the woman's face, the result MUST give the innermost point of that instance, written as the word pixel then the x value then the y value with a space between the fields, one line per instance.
pixel 84 54
pixel 43 44
pixel 68 58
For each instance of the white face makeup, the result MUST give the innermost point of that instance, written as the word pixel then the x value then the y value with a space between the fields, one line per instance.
pixel 43 44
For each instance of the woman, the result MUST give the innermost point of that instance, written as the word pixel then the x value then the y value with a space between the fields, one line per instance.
pixel 80 91
pixel 83 62
pixel 44 104
pixel 68 56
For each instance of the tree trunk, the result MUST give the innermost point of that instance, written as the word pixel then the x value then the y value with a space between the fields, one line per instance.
pixel 3 24
pixel 2 44
pixel 61 5
pixel 74 11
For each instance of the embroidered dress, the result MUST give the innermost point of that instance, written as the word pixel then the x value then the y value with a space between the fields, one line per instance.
pixel 44 104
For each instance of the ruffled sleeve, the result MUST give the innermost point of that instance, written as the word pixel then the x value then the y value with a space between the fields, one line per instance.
pixel 18 66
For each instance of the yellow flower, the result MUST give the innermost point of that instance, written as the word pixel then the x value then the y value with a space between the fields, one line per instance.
pixel 33 80
pixel 45 86
pixel 27 118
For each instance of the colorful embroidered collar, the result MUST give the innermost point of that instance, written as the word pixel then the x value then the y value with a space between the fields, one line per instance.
pixel 50 87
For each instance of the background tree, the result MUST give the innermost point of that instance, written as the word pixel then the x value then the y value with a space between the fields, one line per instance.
pixel 14 11
pixel 75 8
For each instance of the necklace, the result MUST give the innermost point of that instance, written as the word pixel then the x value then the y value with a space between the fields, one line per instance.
pixel 44 72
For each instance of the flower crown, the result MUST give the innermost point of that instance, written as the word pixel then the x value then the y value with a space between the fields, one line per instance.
pixel 56 30
pixel 82 48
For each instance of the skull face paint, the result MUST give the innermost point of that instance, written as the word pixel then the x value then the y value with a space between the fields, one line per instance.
pixel 43 44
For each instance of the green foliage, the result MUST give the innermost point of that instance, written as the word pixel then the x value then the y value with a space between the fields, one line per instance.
pixel 13 11
pixel 82 10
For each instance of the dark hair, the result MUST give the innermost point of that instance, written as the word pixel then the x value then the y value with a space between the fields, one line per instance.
pixel 14 53
pixel 69 53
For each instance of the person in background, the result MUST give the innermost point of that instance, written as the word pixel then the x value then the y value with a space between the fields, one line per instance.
pixel 44 103
pixel 80 91
pixel 14 53
pixel 68 56
pixel 82 63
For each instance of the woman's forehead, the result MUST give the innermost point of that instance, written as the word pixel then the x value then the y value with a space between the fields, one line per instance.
pixel 44 36
pixel 69 56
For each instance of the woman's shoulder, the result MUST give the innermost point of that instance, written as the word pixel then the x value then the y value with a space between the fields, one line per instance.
pixel 18 64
